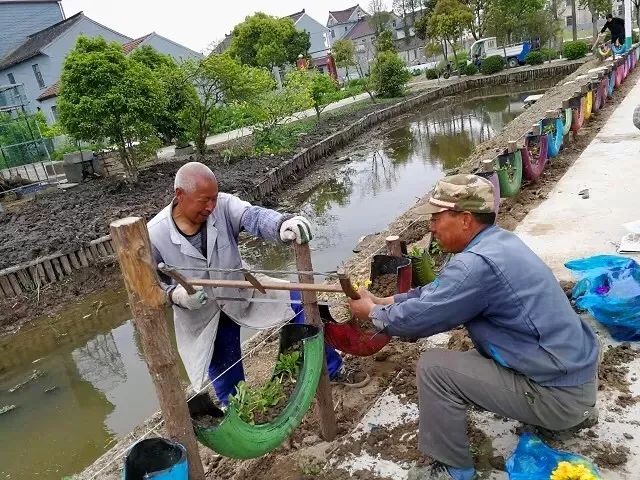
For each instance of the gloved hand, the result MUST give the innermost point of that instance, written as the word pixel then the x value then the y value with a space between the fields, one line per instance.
pixel 297 228
pixel 180 297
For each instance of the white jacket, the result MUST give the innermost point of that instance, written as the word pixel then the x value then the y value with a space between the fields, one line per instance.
pixel 196 329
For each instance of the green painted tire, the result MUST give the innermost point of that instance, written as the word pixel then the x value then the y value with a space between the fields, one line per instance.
pixel 237 439
pixel 510 174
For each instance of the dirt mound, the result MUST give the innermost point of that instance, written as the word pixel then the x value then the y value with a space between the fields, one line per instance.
pixel 613 370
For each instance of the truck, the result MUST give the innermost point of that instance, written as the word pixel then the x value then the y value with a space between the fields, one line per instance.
pixel 514 55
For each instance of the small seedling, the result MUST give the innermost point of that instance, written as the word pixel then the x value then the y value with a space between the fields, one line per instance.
pixel 288 365
pixel 416 252
pixel 435 249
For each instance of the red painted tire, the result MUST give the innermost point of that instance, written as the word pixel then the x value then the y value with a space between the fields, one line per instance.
pixel 534 157
pixel 578 117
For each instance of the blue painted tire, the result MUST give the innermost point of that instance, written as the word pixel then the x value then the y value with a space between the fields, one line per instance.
pixel 612 82
pixel 555 138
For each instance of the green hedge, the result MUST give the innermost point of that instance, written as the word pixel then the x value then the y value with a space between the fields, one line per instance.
pixel 491 65
pixel 535 58
pixel 575 50
pixel 431 73
pixel 550 53
pixel 470 69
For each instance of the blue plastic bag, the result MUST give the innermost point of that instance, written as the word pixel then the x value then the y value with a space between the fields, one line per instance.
pixel 609 289
pixel 534 460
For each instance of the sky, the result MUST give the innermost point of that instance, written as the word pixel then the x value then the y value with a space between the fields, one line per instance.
pixel 193 23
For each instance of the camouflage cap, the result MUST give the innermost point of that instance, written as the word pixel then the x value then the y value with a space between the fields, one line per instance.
pixel 461 193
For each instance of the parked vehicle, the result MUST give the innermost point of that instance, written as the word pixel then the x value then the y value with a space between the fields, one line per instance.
pixel 514 55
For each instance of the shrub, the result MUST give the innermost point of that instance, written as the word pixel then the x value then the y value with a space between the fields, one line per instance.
pixel 535 58
pixel 550 53
pixel 491 65
pixel 389 75
pixel 575 50
pixel 431 73
pixel 470 69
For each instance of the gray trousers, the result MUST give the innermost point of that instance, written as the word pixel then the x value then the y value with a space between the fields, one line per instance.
pixel 450 381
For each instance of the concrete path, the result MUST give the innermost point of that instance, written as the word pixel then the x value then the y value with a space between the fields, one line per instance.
pixel 168 152
pixel 566 226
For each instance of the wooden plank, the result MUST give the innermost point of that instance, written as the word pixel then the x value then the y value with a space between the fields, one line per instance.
pixel 6 286
pixel 25 280
pixel 35 277
pixel 324 402
pixel 102 250
pixel 94 253
pixel 83 258
pixel 75 263
pixel 2 294
pixel 42 274
pixel 147 302
pixel 58 268
pixel 66 265
pixel 51 274
pixel 15 284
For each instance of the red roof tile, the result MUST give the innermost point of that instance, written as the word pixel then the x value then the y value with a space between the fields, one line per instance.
pixel 342 16
pixel 129 47
pixel 52 91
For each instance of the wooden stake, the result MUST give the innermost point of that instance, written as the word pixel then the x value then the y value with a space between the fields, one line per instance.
pixel 394 246
pixel 324 400
pixel 147 301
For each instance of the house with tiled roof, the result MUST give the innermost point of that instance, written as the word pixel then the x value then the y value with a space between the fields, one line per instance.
pixel 340 22
pixel 36 60
pixel 318 33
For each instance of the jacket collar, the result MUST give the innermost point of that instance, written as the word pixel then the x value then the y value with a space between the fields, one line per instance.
pixel 178 239
pixel 479 237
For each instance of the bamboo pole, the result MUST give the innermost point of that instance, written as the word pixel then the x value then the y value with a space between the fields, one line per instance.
pixel 324 401
pixel 147 301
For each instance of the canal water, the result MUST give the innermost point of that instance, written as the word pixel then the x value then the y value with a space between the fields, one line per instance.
pixel 79 382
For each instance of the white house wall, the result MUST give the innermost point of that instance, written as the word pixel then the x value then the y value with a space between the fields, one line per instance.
pixel 46 107
pixel 23 73
pixel 318 35
pixel 177 51
pixel 19 20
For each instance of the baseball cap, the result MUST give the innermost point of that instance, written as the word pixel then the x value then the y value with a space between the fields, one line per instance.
pixel 460 193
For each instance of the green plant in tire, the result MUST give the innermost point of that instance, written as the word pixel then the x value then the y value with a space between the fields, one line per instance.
pixel 435 249
pixel 248 402
pixel 422 266
pixel 288 365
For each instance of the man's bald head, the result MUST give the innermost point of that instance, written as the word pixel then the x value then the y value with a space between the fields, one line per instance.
pixel 192 173
pixel 196 191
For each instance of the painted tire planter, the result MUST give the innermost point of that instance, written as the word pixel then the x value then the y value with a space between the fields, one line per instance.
pixel 493 178
pixel 588 104
pixel 510 173
pixel 618 50
pixel 578 116
pixel 619 73
pixel 598 97
pixel 612 82
pixel 568 117
pixel 554 132
pixel 235 438
pixel 534 156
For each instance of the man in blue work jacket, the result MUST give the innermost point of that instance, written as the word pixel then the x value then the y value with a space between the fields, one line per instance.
pixel 535 360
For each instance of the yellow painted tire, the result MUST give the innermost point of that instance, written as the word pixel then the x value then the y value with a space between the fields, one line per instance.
pixel 588 104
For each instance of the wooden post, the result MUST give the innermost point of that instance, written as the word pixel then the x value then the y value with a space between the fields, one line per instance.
pixel 324 400
pixel 394 246
pixel 147 301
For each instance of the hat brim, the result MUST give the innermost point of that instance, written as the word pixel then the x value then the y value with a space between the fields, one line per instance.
pixel 429 209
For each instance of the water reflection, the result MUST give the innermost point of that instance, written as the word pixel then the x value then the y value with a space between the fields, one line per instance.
pixel 91 354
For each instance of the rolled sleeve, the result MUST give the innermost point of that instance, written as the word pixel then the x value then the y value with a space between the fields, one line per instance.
pixel 453 299
pixel 258 221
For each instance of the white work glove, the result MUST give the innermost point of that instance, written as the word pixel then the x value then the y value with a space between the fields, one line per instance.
pixel 180 297
pixel 297 228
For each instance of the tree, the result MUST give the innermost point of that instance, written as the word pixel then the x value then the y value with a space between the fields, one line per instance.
pixel 541 24
pixel 219 80
pixel 508 18
pixel 384 42
pixel 105 94
pixel 176 90
pixel 597 9
pixel 479 9
pixel 265 41
pixel 574 21
pixel 448 22
pixel 320 89
pixel 389 75
pixel 344 52
pixel 379 16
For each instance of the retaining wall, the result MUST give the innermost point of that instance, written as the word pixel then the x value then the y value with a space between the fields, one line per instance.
pixel 32 275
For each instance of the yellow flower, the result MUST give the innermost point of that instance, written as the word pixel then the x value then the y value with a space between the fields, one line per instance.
pixel 366 284
pixel 572 471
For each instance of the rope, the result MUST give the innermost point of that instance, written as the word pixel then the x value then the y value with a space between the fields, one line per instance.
pixel 330 274
pixel 276 329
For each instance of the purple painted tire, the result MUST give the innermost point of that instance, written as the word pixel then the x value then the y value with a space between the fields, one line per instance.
pixel 534 156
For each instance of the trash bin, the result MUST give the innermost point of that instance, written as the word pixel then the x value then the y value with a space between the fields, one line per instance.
pixel 81 165
pixel 156 459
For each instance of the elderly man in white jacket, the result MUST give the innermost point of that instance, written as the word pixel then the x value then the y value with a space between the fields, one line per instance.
pixel 200 229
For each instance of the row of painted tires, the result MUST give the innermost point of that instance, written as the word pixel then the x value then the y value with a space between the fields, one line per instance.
pixel 529 162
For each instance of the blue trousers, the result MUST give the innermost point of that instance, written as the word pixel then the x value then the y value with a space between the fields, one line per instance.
pixel 226 351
